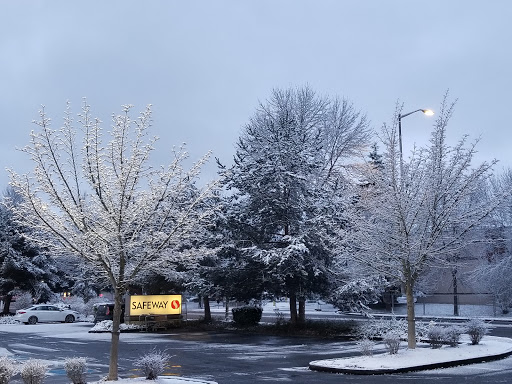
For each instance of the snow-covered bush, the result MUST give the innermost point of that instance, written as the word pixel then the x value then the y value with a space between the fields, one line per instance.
pixel 153 364
pixel 452 335
pixel 356 295
pixel 23 300
pixel 7 320
pixel 366 346
pixel 107 326
pixel 33 371
pixel 476 329
pixel 435 336
pixel 75 303
pixel 7 369
pixel 378 328
pixel 247 315
pixel 76 368
pixel 392 341
pixel 375 329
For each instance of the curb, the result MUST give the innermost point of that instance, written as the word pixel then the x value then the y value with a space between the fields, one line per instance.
pixel 424 367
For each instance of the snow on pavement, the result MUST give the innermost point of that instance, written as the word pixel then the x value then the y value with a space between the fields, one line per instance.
pixel 405 358
pixel 79 331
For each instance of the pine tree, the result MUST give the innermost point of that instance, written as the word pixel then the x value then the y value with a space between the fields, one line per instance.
pixel 288 188
pixel 24 267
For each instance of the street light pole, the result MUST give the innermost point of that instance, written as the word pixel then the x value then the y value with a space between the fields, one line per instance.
pixel 427 112
pixel 409 281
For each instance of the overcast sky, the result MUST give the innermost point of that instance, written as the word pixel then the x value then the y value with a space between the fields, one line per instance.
pixel 205 65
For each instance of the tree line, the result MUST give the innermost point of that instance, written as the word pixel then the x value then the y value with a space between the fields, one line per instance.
pixel 308 207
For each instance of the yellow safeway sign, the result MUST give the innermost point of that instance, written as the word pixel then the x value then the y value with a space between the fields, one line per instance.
pixel 155 305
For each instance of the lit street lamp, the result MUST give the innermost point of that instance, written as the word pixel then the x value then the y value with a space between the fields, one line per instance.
pixel 427 112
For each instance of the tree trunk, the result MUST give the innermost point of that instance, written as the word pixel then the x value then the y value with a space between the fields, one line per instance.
pixel 302 311
pixel 293 308
pixel 207 311
pixel 411 321
pixel 455 293
pixel 114 345
pixel 7 304
pixel 226 314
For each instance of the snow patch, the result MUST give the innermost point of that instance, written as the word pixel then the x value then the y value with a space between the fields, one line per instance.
pixel 423 355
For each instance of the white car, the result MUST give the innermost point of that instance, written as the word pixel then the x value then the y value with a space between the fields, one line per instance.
pixel 45 313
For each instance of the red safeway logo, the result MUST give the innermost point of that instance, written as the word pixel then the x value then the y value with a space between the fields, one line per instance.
pixel 175 304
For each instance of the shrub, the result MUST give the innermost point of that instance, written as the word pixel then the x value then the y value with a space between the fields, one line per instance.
pixel 435 336
pixel 75 369
pixel 366 346
pixel 280 320
pixel 7 369
pixel 23 300
pixel 378 328
pixel 33 371
pixel 75 303
pixel 392 341
pixel 153 364
pixel 247 315
pixel 452 335
pixel 476 329
pixel 7 320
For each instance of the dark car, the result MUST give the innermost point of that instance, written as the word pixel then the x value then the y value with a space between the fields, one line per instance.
pixel 105 311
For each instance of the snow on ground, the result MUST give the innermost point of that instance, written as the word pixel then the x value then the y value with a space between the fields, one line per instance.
pixel 80 331
pixel 405 358
pixel 423 355
pixel 320 308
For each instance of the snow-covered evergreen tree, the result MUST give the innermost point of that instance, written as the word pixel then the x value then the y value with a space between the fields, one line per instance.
pixel 288 187
pixel 103 201
pixel 24 267
pixel 413 217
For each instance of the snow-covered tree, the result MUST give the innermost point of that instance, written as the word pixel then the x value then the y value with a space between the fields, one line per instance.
pixel 412 217
pixel 288 186
pixel 104 202
pixel 495 268
pixel 24 267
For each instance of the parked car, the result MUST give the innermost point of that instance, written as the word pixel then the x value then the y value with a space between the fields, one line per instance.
pixel 105 311
pixel 44 313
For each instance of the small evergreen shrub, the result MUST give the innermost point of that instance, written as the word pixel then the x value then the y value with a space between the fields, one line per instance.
pixel 436 336
pixel 153 364
pixel 476 329
pixel 247 315
pixel 392 341
pixel 366 347
pixel 33 371
pixel 76 368
pixel 7 369
pixel 452 335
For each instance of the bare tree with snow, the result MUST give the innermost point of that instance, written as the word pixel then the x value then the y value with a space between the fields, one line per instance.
pixel 104 202
pixel 408 220
pixel 493 272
